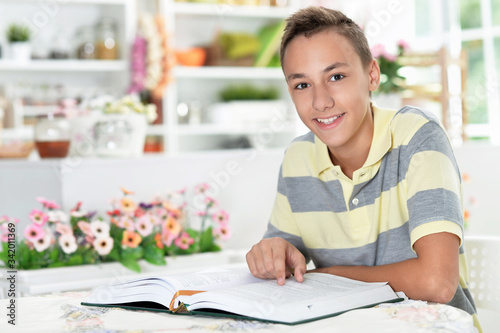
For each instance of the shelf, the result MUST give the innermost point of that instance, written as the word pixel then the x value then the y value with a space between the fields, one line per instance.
pixel 227 10
pixel 216 129
pixel 219 72
pixel 84 2
pixel 70 65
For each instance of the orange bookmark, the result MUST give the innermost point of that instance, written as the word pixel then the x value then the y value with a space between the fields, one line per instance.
pixel 182 293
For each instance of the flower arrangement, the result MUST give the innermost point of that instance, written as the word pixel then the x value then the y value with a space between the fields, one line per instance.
pixel 390 79
pixel 130 232
pixel 130 104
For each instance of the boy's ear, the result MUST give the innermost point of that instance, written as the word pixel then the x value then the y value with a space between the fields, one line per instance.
pixel 373 75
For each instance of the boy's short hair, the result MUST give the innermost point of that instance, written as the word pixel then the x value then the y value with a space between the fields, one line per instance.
pixel 311 20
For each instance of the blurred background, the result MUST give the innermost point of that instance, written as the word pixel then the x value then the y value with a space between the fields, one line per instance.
pixel 169 86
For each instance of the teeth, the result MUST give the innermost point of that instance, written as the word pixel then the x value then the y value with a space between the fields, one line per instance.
pixel 329 120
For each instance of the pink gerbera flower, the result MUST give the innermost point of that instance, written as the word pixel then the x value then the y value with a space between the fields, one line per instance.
pixel 184 241
pixel 43 243
pixel 68 243
pixel 34 232
pixel 201 188
pixel 38 217
pixel 221 216
pixel 222 231
pixel 144 225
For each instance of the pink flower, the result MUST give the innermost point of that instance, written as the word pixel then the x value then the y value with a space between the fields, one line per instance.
pixel 34 232
pixel 126 222
pixel 184 241
pixel 4 232
pixel 222 231
pixel 85 228
pixel 221 216
pixel 210 201
pixel 378 50
pixel 390 57
pixel 144 225
pixel 43 243
pixel 167 238
pixel 64 229
pixel 201 188
pixel 38 217
pixel 47 203
pixel 404 45
pixel 103 245
pixel 68 243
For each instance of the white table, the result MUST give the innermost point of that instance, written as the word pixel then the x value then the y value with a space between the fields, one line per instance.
pixel 63 313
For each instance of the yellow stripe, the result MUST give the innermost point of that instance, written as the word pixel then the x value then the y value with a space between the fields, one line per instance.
pixel 407 124
pixel 437 173
pixel 282 216
pixel 433 228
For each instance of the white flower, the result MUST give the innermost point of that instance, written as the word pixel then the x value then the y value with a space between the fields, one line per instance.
pixel 79 213
pixel 43 243
pixel 145 225
pixel 57 216
pixel 103 245
pixel 68 243
pixel 99 228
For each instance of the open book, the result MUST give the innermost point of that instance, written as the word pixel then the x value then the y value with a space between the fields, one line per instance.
pixel 237 293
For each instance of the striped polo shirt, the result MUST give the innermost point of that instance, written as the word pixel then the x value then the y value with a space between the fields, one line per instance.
pixel 409 187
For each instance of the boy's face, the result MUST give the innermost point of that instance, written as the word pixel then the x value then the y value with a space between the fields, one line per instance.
pixel 330 89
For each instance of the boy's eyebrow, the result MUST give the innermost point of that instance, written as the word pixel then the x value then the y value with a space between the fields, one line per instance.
pixel 326 70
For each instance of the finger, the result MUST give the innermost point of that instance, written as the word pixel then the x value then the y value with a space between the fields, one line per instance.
pixel 296 260
pixel 279 263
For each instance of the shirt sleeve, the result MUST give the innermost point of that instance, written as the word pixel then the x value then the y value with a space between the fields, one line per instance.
pixel 434 185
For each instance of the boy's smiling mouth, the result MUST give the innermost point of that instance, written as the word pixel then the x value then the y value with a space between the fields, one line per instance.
pixel 328 121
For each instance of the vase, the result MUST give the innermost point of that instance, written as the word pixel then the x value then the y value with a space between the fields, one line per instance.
pixel 84 277
pixel 120 135
pixel 20 51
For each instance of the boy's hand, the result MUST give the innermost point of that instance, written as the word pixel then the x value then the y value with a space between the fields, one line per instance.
pixel 275 258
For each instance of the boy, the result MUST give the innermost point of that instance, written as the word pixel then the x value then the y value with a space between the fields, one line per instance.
pixel 370 194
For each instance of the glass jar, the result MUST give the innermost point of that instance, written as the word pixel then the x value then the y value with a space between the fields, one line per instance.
pixel 85 39
pixel 107 43
pixel 113 136
pixel 52 136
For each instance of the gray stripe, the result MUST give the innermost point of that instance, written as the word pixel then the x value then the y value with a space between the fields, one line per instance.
pixel 296 241
pixel 424 113
pixel 311 194
pixel 308 137
pixel 390 247
pixel 463 300
pixel 395 164
pixel 434 205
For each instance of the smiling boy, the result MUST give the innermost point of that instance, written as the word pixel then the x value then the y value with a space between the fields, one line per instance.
pixel 369 193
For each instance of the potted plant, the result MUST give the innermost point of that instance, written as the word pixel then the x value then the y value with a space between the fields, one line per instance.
pixel 19 37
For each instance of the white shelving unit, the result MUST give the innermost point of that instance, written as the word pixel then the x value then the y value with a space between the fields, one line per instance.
pixel 47 17
pixel 194 24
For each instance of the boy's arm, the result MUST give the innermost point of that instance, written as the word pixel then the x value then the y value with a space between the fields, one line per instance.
pixel 432 276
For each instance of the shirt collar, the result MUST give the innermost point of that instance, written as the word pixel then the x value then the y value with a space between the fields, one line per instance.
pixel 381 142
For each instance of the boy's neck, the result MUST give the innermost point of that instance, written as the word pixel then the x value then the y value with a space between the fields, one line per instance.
pixel 353 156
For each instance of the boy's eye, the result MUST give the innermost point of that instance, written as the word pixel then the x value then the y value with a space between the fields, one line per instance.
pixel 301 86
pixel 336 77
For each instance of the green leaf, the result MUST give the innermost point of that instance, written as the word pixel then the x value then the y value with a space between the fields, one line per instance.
pixel 113 255
pixel 215 248
pixel 75 260
pixel 154 255
pixel 131 264
pixel 134 253
pixel 54 255
pixel 206 240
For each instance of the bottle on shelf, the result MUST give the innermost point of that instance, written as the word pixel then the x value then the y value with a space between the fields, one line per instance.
pixel 52 135
pixel 107 43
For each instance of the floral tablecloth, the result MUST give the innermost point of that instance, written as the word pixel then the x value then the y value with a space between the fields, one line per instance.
pixel 63 313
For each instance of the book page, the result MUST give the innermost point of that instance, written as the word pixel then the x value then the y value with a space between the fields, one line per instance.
pixel 319 295
pixel 162 289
